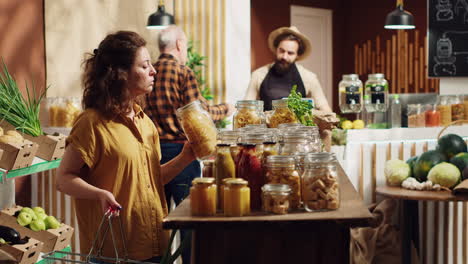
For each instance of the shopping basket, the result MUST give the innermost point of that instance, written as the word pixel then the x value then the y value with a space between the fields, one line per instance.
pixel 95 253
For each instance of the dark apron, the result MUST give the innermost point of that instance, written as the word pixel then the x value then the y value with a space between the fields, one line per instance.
pixel 276 86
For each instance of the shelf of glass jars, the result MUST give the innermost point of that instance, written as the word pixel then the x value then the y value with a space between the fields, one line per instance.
pixel 417 133
pixel 38 165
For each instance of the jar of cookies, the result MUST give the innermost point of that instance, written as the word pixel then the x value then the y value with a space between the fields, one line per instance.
pixel 320 186
pixel 275 198
pixel 282 170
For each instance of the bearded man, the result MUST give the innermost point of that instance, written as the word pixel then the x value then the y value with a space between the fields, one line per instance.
pixel 275 81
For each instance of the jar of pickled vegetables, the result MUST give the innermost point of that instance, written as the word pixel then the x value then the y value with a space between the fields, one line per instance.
pixel 282 169
pixel 320 186
pixel 208 169
pixel 248 112
pixel 236 198
pixel 203 197
pixel 249 168
pixel 458 108
pixel 224 167
pixel 445 109
pixel 432 116
pixel 276 198
pixel 199 128
pixel 281 113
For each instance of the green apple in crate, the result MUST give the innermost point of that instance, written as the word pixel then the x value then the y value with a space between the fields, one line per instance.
pixel 24 219
pixel 29 211
pixel 41 216
pixel 39 210
pixel 51 222
pixel 37 225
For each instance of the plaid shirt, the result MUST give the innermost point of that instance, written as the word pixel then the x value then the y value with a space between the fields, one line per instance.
pixel 175 86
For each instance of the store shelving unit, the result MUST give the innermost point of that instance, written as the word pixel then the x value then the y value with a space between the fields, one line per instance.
pixel 39 165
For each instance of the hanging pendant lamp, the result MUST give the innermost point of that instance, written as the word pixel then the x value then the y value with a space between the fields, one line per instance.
pixel 399 18
pixel 160 19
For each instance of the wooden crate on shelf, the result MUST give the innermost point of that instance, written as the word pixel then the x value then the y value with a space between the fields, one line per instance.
pixel 24 254
pixel 17 155
pixel 51 147
pixel 53 239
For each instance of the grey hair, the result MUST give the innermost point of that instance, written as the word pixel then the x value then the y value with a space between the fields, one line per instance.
pixel 167 38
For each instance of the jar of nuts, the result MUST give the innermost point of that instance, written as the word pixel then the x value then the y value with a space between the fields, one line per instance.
pixel 320 186
pixel 282 169
pixel 275 198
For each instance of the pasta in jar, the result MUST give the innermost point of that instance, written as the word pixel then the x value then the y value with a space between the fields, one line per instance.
pixel 281 114
pixel 199 128
pixel 248 113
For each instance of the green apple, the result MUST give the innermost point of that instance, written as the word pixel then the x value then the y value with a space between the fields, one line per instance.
pixel 29 211
pixel 37 225
pixel 2 241
pixel 39 210
pixel 41 216
pixel 51 222
pixel 24 219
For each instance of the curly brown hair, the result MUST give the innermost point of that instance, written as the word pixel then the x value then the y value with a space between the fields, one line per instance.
pixel 289 36
pixel 106 73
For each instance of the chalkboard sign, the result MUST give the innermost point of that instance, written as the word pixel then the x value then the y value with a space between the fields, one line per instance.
pixel 448 38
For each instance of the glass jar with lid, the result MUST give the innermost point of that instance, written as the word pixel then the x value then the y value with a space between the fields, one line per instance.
pixel 199 128
pixel 416 115
pixel 312 133
pixel 248 112
pixel 432 116
pixel 249 168
pixel 281 114
pixel 458 108
pixel 236 198
pixel 377 89
pixel 224 167
pixel 350 94
pixel 282 169
pixel 208 168
pixel 230 137
pixel 203 197
pixel 320 185
pixel 297 141
pixel 445 109
pixel 276 198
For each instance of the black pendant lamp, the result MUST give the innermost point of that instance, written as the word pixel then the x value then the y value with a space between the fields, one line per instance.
pixel 160 19
pixel 399 18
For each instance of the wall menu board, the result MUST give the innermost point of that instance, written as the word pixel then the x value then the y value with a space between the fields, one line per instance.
pixel 448 38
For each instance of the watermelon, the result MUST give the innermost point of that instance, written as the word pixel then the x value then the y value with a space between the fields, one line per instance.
pixel 460 160
pixel 450 145
pixel 425 162
pixel 411 161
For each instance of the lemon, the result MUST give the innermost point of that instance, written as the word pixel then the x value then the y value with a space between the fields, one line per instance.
pixel 347 124
pixel 358 124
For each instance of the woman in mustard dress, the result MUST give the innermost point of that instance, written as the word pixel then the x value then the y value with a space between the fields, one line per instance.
pixel 112 153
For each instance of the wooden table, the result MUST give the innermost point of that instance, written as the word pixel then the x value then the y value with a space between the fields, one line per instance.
pixel 409 216
pixel 298 237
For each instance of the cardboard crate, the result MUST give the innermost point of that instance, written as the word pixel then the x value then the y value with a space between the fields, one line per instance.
pixel 51 147
pixel 53 239
pixel 16 156
pixel 24 254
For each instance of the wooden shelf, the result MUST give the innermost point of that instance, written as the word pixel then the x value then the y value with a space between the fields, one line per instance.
pixel 38 165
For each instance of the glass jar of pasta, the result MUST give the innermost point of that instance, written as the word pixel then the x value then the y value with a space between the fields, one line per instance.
pixel 445 109
pixel 281 114
pixel 282 169
pixel 458 108
pixel 203 197
pixel 248 112
pixel 276 198
pixel 199 128
pixel 224 167
pixel 236 198
pixel 249 168
pixel 208 168
pixel 320 186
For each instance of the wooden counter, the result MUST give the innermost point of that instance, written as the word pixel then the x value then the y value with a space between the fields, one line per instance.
pixel 298 237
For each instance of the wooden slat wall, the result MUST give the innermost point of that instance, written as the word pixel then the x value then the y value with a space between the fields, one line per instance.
pixel 402 58
pixel 204 22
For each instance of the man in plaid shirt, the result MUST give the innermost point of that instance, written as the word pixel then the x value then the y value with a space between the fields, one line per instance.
pixel 176 86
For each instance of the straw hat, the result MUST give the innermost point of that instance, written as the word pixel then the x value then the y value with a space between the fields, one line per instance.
pixel 294 31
